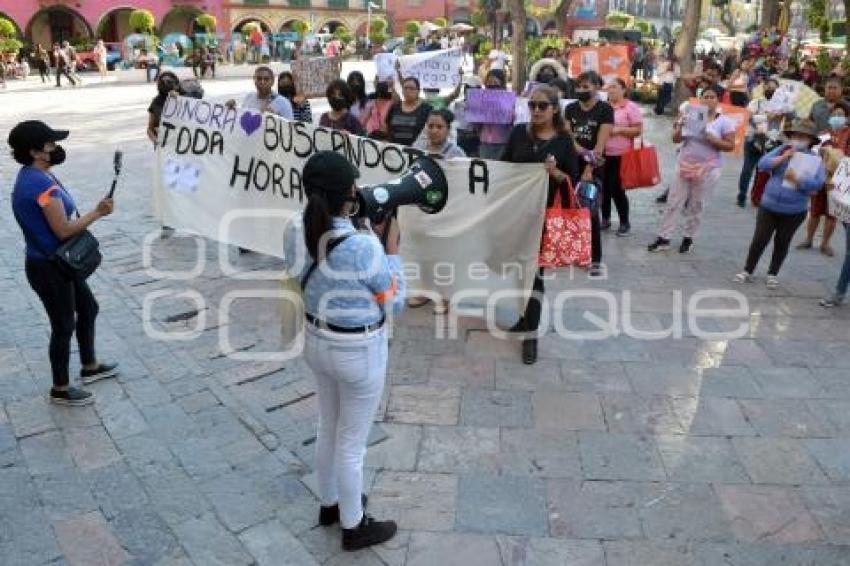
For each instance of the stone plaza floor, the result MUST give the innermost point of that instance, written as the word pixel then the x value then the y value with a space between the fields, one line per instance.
pixel 627 451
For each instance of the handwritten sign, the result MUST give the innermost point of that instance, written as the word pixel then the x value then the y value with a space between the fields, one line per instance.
pixel 490 106
pixel 611 61
pixel 312 75
pixel 839 196
pixel 385 63
pixel 434 69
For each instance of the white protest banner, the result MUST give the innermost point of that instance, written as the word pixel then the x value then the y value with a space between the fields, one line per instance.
pixel 839 196
pixel 312 74
pixel 385 64
pixel 235 176
pixel 434 69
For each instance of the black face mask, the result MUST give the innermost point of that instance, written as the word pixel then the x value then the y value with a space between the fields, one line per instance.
pixel 286 90
pixel 382 90
pixel 768 94
pixel 338 103
pixel 545 77
pixel 583 95
pixel 56 156
pixel 165 87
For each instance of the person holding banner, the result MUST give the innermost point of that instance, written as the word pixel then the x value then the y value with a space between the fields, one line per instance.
pixel 301 110
pixel 436 140
pixel 339 118
pixel 698 169
pixel 374 118
pixel 350 282
pixel 406 118
pixel 786 197
pixel 545 140
pixel 493 136
pixel 263 99
pixel 628 125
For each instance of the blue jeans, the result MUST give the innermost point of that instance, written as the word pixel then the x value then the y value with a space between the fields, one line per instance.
pixel 751 159
pixel 665 95
pixel 844 278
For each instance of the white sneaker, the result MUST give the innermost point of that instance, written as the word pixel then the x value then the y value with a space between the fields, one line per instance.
pixel 772 282
pixel 743 277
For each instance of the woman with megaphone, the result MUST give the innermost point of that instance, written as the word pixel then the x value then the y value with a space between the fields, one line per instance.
pixel 349 281
pixel 543 140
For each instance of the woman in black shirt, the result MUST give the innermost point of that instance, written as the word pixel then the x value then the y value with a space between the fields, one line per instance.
pixel 543 140
pixel 406 119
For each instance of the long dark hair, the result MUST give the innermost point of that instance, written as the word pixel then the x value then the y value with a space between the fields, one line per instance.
pixel 339 85
pixel 321 207
pixel 358 93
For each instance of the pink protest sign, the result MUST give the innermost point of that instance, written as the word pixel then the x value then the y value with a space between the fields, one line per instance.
pixel 486 106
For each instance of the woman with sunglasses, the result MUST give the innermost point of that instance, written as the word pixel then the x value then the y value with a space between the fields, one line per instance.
pixel 407 118
pixel 543 140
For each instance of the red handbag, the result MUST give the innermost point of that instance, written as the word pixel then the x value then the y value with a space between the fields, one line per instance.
pixel 639 167
pixel 566 234
pixel 758 187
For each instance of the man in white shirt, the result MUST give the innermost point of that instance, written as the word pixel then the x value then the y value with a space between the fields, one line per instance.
pixel 497 59
pixel 265 99
pixel 444 42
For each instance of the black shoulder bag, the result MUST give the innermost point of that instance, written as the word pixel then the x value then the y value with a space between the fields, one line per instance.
pixel 76 258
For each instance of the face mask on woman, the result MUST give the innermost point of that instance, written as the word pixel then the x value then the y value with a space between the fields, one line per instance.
pixel 338 103
pixel 837 122
pixel 286 90
pixel 583 95
pixel 800 144
pixel 56 156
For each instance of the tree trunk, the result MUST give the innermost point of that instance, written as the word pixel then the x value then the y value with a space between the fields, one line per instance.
pixel 727 20
pixel 561 12
pixel 686 43
pixel 518 21
pixel 769 13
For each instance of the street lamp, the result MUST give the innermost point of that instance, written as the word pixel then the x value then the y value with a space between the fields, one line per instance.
pixel 369 7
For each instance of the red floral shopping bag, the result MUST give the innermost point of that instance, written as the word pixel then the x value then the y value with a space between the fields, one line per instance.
pixel 566 234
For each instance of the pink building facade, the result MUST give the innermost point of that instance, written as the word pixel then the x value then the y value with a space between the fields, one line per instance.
pixel 46 21
pixel 402 11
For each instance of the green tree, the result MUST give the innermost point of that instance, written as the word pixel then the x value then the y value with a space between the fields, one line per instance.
pixel 478 19
pixel 518 22
pixel 207 21
pixel 442 22
pixel 411 31
pixel 644 26
pixel 142 21
pixel 378 30
pixel 7 29
pixel 817 18
pixel 343 34
pixel 618 20
pixel 302 27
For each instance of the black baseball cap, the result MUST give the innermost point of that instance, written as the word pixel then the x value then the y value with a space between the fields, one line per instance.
pixel 328 171
pixel 33 134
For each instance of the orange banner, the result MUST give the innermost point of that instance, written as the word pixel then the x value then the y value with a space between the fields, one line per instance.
pixel 740 116
pixel 609 61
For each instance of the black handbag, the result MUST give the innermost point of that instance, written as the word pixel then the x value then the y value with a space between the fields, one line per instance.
pixel 76 258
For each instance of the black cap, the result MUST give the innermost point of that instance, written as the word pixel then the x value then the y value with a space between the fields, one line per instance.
pixel 328 171
pixel 33 134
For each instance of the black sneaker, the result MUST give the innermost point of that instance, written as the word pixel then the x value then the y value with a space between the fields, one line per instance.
pixel 604 225
pixel 624 230
pixel 330 515
pixel 367 533
pixel 742 202
pixel 71 396
pixel 662 198
pixel 659 245
pixel 687 246
pixel 102 371
pixel 529 351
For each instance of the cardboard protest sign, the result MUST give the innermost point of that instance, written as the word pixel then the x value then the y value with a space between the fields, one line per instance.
pixel 741 118
pixel 385 65
pixel 610 61
pixel 839 196
pixel 235 176
pixel 434 69
pixel 490 106
pixel 312 74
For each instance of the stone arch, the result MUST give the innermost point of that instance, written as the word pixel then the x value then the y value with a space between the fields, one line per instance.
pixel 181 19
pixel 114 25
pixel 329 25
pixel 57 23
pixel 289 24
pixel 264 24
pixel 18 30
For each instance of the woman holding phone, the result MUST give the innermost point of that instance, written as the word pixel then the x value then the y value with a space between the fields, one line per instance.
pixel 48 216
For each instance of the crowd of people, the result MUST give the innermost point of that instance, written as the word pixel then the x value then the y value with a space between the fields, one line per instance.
pixel 577 129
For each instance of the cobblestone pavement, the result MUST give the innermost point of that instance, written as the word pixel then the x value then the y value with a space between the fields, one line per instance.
pixel 619 452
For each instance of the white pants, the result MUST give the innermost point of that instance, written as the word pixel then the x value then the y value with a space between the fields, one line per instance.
pixel 350 370
pixel 692 196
